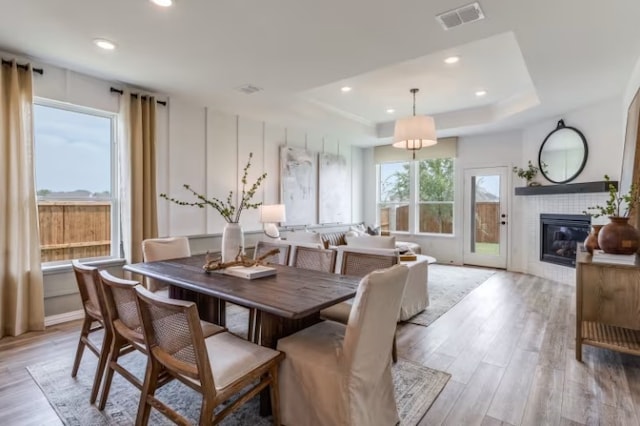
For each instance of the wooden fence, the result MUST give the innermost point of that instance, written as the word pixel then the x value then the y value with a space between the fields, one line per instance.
pixel 74 229
pixel 487 220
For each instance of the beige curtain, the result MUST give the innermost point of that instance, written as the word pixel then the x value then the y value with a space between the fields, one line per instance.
pixel 138 173
pixel 21 291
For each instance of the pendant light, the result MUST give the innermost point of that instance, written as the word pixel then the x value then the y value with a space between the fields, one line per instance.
pixel 415 132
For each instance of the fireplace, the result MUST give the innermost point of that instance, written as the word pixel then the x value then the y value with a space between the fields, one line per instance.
pixel 561 236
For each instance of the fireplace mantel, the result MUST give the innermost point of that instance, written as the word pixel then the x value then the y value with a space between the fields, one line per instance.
pixel 567 188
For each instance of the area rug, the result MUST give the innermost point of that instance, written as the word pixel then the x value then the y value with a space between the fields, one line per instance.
pixel 447 286
pixel 416 388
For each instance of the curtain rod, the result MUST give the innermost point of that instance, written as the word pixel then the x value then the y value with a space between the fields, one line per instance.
pixel 135 95
pixel 23 66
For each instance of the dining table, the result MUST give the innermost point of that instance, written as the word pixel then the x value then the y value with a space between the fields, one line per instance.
pixel 287 301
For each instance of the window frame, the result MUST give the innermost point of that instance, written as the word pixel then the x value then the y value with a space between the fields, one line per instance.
pixel 414 199
pixel 116 240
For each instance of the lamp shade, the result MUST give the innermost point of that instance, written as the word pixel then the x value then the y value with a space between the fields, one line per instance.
pixel 415 132
pixel 272 213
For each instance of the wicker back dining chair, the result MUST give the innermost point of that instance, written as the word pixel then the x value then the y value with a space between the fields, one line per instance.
pixel 315 259
pixel 281 258
pixel 88 281
pixel 219 366
pixel 122 309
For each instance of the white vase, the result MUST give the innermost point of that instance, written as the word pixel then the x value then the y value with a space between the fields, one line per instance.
pixel 232 241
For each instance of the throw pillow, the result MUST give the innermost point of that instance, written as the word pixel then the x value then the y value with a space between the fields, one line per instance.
pixel 359 230
pixel 373 231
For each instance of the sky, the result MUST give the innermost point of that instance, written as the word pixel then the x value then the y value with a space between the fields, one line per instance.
pixel 73 150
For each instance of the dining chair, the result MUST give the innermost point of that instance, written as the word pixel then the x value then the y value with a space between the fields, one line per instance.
pixel 156 249
pixel 359 263
pixel 124 319
pixel 87 279
pixel 315 259
pixel 281 258
pixel 341 375
pixel 219 366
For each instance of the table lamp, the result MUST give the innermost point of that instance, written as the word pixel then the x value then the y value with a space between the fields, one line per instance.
pixel 269 216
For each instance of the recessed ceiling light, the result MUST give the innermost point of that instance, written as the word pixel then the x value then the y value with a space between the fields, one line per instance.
pixel 346 89
pixel 163 3
pixel 104 44
pixel 481 93
pixel 390 111
pixel 452 60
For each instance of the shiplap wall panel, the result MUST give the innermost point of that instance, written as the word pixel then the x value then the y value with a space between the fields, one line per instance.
pixel 250 138
pixel 274 137
pixel 222 163
pixel 186 166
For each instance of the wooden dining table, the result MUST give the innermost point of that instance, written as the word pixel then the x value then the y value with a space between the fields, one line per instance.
pixel 287 301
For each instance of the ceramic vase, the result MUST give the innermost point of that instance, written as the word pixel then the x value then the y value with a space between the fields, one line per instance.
pixel 232 241
pixel 591 243
pixel 618 237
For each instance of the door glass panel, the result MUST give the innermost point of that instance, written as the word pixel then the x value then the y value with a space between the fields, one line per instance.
pixel 485 214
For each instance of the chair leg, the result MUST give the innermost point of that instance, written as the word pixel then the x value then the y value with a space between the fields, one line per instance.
pixel 148 389
pixel 114 353
pixel 206 412
pixel 107 342
pixel 394 350
pixel 275 395
pixel 84 332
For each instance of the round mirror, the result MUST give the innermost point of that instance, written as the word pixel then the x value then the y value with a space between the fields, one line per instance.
pixel 563 154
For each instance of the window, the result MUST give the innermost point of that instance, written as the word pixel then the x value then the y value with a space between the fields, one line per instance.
pixel 435 196
pixel 394 196
pixel 416 196
pixel 75 172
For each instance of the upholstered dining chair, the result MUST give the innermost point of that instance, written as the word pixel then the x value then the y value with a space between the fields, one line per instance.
pixel 219 366
pixel 314 258
pixel 359 263
pixel 341 375
pixel 88 280
pixel 155 249
pixel 124 319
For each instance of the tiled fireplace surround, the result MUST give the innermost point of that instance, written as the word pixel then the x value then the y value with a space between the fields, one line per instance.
pixel 534 205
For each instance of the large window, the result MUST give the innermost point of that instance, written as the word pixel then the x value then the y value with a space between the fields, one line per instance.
pixel 416 196
pixel 75 163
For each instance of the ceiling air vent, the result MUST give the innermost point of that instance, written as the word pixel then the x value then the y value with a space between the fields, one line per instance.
pixel 248 89
pixel 462 15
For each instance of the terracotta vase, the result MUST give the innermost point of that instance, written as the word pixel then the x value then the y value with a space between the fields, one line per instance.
pixel 618 237
pixel 591 243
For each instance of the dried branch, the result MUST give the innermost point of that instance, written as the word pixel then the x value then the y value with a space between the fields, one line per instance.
pixel 215 264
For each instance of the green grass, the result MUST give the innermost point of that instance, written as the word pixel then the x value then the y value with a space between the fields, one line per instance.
pixel 488 248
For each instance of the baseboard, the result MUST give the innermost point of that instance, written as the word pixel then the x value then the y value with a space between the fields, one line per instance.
pixel 66 317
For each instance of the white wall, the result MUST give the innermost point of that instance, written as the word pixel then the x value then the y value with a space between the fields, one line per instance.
pixel 602 125
pixel 203 148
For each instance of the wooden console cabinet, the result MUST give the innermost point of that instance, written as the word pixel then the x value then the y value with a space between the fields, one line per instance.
pixel 608 306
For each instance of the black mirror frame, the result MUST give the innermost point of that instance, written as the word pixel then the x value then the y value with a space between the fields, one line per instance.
pixel 561 126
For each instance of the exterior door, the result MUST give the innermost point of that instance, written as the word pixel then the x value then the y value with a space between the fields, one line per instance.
pixel 485 217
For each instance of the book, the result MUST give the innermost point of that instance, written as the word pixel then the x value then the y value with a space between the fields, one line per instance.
pixel 600 256
pixel 250 272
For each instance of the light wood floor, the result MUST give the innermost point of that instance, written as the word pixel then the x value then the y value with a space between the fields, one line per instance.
pixel 509 346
